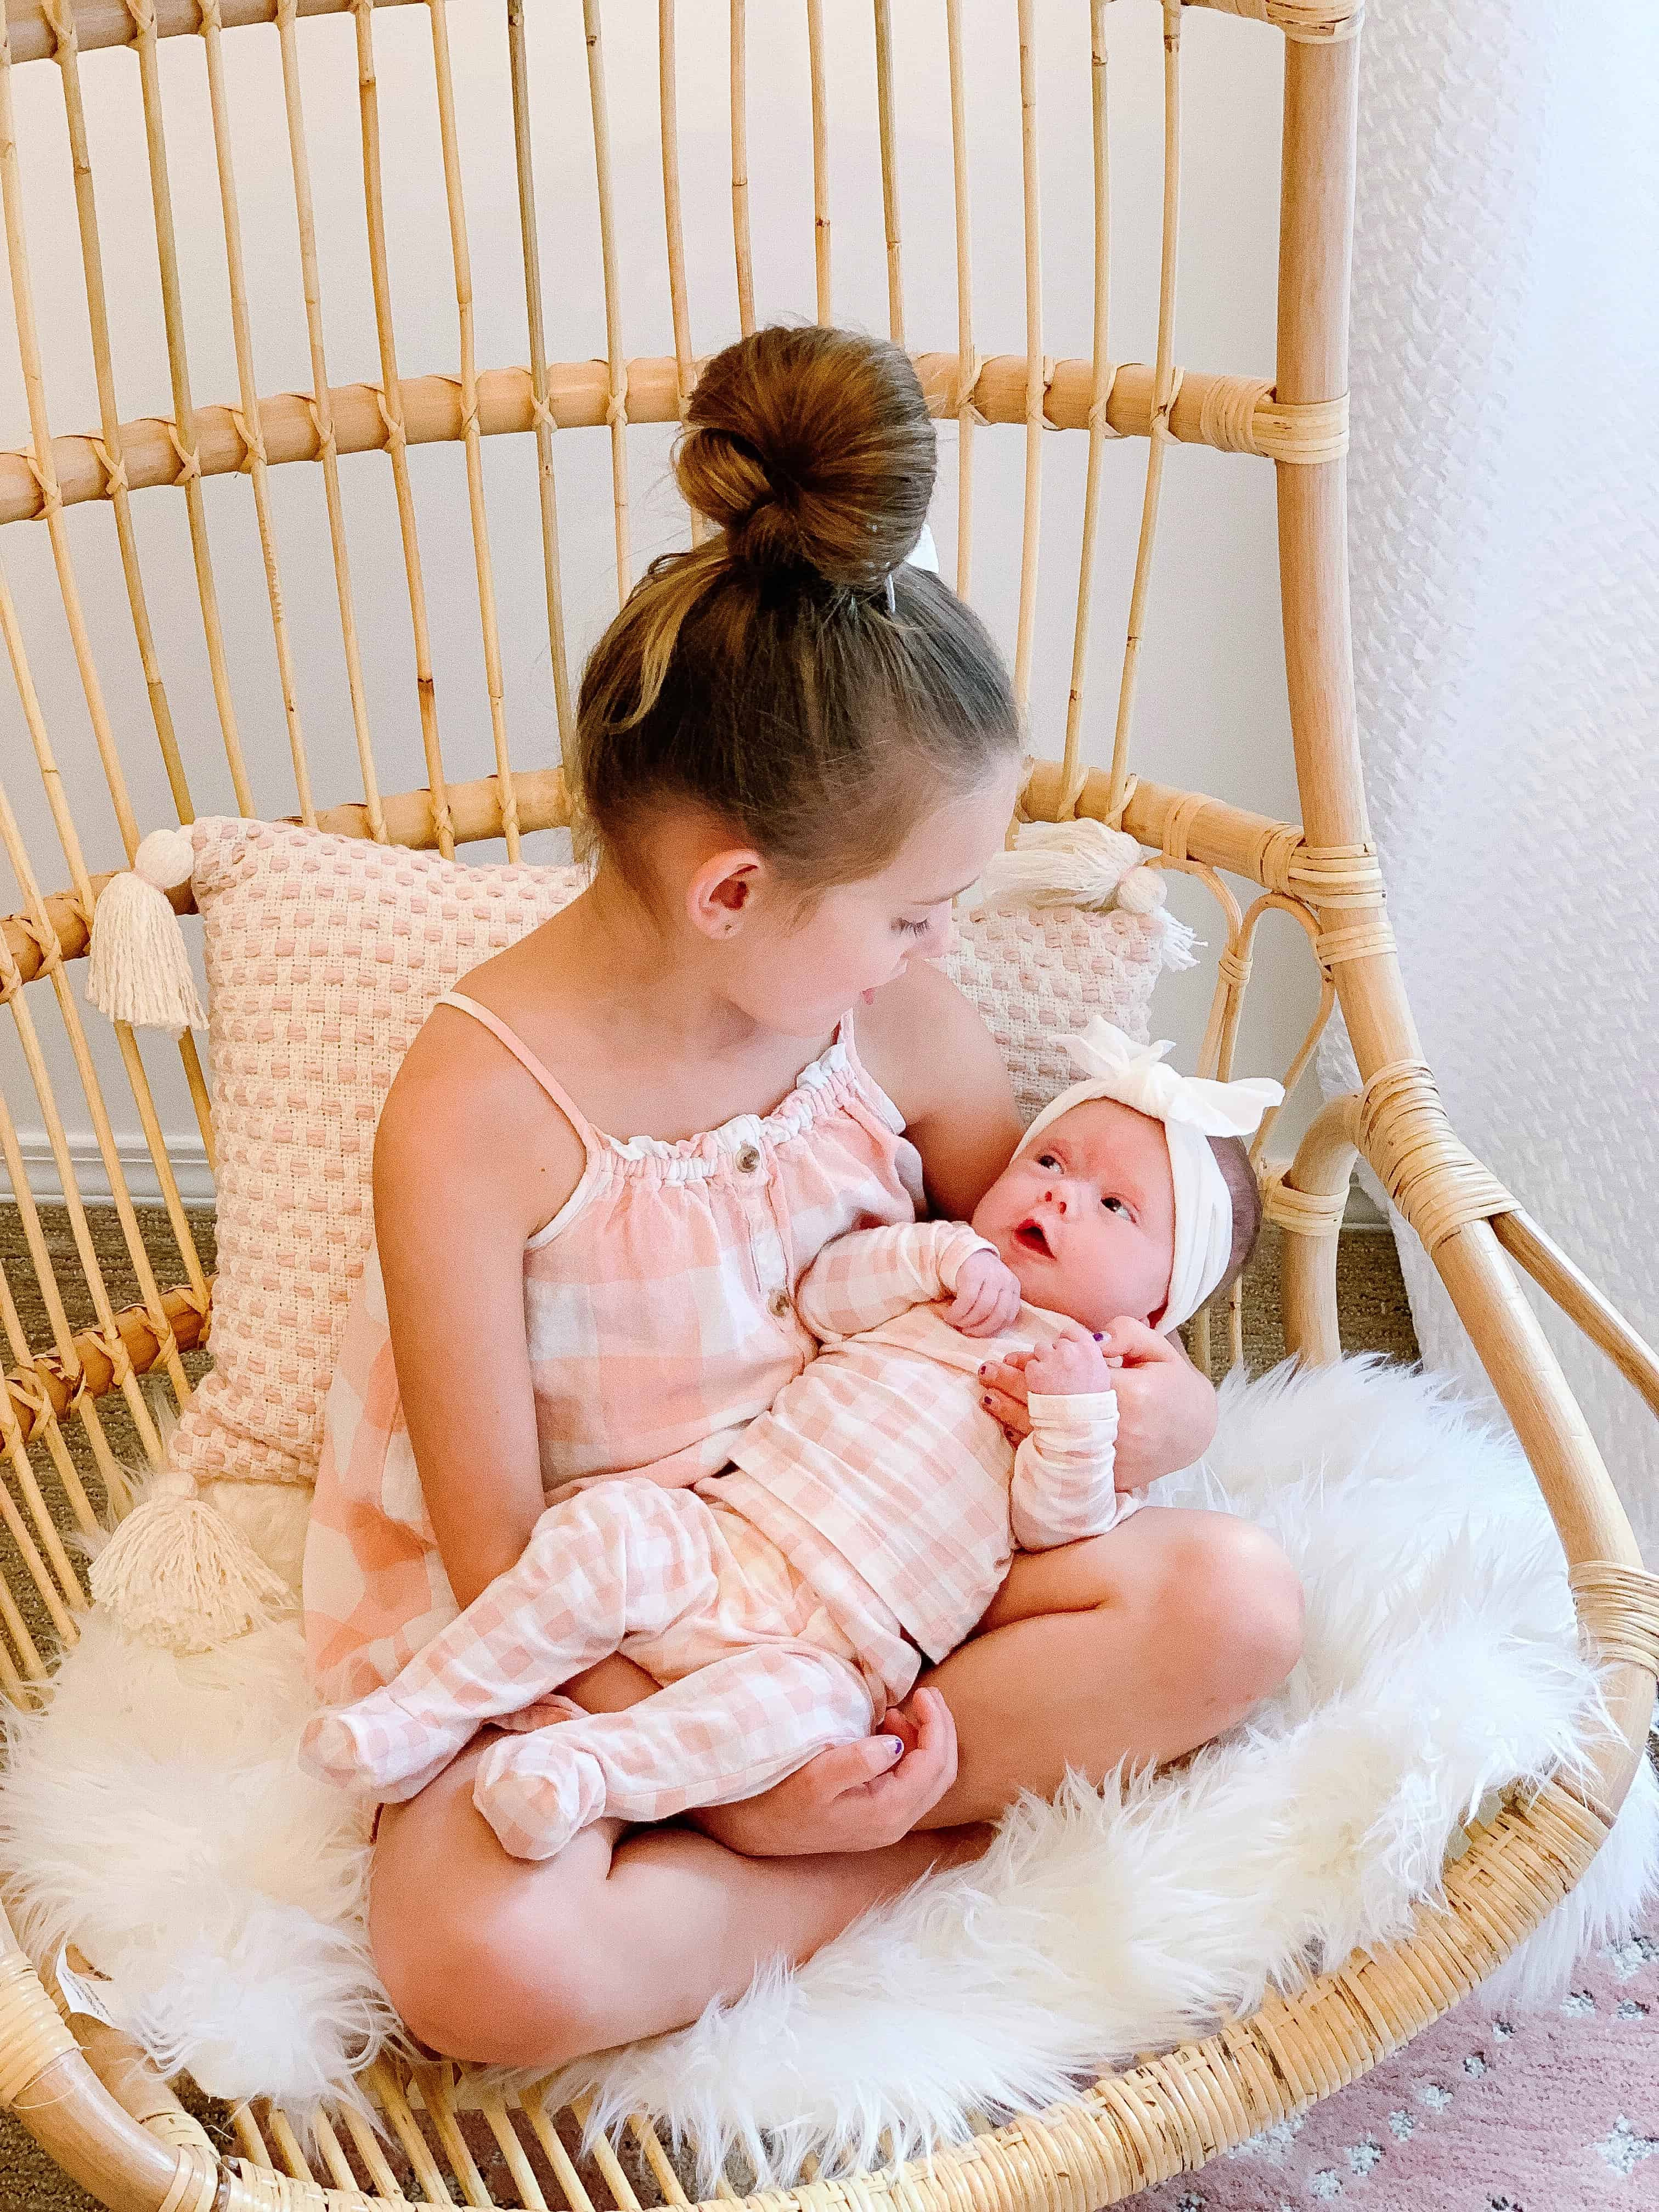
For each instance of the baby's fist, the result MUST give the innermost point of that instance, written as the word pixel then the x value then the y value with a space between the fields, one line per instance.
pixel 1071 1367
pixel 987 1296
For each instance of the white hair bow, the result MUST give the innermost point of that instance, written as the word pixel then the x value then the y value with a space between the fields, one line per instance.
pixel 1142 1078
pixel 1192 1110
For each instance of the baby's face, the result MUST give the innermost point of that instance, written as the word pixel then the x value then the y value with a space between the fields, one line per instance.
pixel 1086 1217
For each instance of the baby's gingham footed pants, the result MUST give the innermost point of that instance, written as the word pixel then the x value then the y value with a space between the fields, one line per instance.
pixel 758 1675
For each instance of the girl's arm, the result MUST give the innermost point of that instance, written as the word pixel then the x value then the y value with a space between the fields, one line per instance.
pixel 469 1160
pixel 1167 1408
pixel 935 1059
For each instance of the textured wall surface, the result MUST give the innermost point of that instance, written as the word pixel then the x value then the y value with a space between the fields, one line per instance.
pixel 1505 535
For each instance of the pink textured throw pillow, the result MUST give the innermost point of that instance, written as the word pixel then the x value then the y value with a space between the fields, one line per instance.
pixel 1037 975
pixel 325 955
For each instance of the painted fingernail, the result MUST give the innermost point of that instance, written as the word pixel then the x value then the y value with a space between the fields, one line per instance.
pixel 1100 1336
pixel 897 1742
pixel 985 1401
pixel 985 1370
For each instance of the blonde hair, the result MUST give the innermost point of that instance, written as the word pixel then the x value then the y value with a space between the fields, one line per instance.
pixel 790 675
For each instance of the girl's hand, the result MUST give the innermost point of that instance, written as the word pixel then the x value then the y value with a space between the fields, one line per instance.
pixel 987 1296
pixel 1071 1367
pixel 1003 1393
pixel 1166 1410
pixel 855 1797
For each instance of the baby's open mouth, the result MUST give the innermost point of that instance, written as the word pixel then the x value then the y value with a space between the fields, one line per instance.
pixel 1033 1237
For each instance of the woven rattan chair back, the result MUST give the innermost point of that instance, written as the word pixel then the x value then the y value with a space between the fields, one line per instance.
pixel 511 488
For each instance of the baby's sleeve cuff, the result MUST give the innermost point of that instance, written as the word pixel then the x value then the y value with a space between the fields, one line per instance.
pixel 958 1244
pixel 1075 1415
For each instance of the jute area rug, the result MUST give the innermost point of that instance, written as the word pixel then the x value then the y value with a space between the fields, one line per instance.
pixel 1542 2112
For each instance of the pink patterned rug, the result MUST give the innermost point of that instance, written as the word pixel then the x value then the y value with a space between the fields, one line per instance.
pixel 1539 2111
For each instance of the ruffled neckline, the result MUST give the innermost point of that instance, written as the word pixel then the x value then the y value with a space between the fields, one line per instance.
pixel 744 1131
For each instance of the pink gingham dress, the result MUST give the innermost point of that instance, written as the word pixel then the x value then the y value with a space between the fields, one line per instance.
pixel 743 1597
pixel 659 1311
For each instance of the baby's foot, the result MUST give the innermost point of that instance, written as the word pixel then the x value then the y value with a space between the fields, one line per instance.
pixel 536 1792
pixel 378 1748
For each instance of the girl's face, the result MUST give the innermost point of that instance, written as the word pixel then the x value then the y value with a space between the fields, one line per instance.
pixel 799 971
pixel 1086 1217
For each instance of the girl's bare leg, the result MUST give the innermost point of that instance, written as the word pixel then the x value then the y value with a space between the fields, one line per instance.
pixel 1138 1646
pixel 494 1959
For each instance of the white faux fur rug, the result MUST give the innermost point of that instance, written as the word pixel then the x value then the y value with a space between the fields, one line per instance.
pixel 154 1815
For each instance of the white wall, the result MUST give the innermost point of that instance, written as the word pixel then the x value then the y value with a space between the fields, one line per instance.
pixel 1212 698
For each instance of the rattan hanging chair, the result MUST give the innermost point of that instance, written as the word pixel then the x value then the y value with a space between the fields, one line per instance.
pixel 89 2096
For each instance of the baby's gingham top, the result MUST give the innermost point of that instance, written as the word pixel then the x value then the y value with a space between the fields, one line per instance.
pixel 883 1456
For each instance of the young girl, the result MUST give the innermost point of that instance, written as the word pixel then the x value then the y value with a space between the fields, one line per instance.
pixel 741 1595
pixel 793 753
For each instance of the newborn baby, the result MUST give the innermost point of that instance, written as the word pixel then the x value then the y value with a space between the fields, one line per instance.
pixel 869 1517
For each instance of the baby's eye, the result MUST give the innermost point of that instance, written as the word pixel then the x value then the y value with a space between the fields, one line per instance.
pixel 913 928
pixel 1114 1206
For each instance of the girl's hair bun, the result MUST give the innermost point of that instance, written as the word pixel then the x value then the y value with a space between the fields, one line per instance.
pixel 764 677
pixel 812 449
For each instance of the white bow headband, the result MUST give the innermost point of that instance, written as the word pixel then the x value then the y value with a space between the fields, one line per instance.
pixel 1192 1111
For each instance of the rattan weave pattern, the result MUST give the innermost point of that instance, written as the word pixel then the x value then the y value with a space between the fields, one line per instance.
pixel 97 1347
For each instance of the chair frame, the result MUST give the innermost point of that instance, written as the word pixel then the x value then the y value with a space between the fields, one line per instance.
pixel 87 2094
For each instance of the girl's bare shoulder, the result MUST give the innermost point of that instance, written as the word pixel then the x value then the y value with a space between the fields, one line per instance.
pixel 469 1136
pixel 926 1045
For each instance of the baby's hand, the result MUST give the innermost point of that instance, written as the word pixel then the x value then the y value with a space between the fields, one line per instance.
pixel 987 1296
pixel 1071 1367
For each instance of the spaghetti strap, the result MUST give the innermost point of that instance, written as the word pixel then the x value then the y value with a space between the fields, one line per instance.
pixel 527 1059
pixel 847 1046
pixel 864 1083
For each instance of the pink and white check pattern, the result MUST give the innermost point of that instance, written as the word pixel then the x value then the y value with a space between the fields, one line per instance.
pixel 658 1307
pixel 742 1597
pixel 884 1447
pixel 325 955
pixel 758 1675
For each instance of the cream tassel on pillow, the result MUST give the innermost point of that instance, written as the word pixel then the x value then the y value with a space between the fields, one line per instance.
pixel 139 969
pixel 1084 864
pixel 177 1574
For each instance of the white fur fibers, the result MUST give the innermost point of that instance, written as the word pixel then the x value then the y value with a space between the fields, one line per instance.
pixel 153 1812
pixel 156 1815
pixel 1441 1662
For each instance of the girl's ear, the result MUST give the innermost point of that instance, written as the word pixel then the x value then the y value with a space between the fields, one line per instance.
pixel 722 892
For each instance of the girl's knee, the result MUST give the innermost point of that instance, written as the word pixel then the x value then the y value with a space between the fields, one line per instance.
pixel 473 1987
pixel 484 1958
pixel 1237 1595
